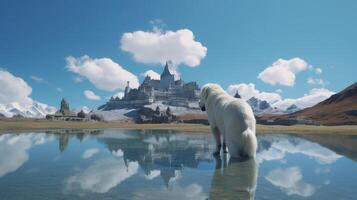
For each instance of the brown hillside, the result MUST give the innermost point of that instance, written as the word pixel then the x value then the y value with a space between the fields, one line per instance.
pixel 339 109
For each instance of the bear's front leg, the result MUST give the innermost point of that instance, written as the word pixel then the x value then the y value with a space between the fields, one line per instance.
pixel 217 137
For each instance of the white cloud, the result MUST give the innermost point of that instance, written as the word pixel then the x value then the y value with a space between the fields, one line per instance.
pixel 14 89
pixel 102 176
pixel 315 96
pixel 15 98
pixel 157 47
pixel 318 70
pixel 248 90
pixel 152 74
pixel 104 73
pixel 290 180
pixel 85 109
pixel 37 79
pixel 279 91
pixel 89 153
pixel 283 72
pixel 59 89
pixel 78 79
pixel 315 81
pixel 90 95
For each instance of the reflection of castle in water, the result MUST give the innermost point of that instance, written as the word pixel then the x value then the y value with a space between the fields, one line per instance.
pixel 64 136
pixel 165 152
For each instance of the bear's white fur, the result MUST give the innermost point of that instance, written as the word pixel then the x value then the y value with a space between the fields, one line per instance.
pixel 230 118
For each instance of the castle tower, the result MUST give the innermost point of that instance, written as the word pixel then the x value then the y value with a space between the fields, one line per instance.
pixel 127 89
pixel 166 78
pixel 64 109
pixel 237 95
pixel 166 71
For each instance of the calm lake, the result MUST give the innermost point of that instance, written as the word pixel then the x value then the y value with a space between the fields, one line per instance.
pixel 136 164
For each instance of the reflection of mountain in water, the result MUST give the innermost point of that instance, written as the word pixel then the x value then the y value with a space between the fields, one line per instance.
pixel 342 144
pixel 159 151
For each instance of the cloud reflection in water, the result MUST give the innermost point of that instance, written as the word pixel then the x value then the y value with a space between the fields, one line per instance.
pixel 102 175
pixel 290 180
pixel 13 150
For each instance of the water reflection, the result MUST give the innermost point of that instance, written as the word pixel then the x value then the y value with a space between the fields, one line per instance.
pixel 277 147
pixel 190 192
pixel 132 164
pixel 159 154
pixel 290 180
pixel 89 153
pixel 102 175
pixel 234 180
pixel 13 150
pixel 64 135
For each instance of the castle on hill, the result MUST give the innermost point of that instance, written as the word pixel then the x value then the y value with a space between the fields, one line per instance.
pixel 167 90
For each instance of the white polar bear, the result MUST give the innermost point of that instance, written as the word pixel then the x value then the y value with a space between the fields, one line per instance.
pixel 230 118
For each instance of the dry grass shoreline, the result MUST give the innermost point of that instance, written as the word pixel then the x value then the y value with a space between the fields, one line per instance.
pixel 26 124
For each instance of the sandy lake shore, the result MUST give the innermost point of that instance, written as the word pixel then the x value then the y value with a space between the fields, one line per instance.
pixel 10 125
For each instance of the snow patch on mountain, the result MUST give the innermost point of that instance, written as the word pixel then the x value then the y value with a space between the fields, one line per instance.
pixel 36 110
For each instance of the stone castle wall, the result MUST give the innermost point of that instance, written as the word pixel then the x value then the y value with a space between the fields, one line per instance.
pixel 166 90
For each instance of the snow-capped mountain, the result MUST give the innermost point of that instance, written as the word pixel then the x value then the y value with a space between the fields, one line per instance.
pixel 36 110
pixel 293 108
pixel 261 107
pixel 258 105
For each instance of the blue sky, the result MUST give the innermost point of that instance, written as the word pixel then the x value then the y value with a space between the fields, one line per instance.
pixel 242 39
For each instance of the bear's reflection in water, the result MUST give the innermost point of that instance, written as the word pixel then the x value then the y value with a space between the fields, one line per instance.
pixel 234 179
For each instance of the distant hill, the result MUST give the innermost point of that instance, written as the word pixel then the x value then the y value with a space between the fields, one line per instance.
pixel 339 109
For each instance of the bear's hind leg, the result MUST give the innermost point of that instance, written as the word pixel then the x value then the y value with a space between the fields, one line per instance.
pixel 224 145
